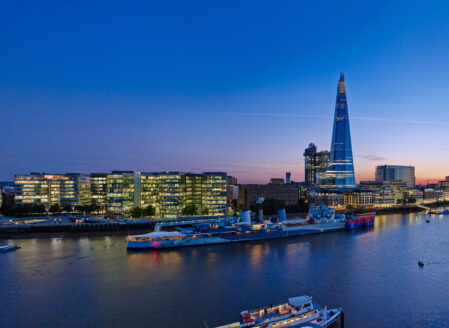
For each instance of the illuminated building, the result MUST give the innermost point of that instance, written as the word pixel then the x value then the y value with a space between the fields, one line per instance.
pixel 384 193
pixel 171 199
pixel 149 191
pixel 99 190
pixel 232 194
pixel 69 189
pixel 340 173
pixel 214 193
pixel 171 192
pixel 31 189
pixel 391 173
pixel 331 198
pixel 359 198
pixel 444 185
pixel 120 193
pixel 75 190
pixel 316 164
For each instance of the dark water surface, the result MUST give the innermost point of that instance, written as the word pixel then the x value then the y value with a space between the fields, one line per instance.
pixel 80 281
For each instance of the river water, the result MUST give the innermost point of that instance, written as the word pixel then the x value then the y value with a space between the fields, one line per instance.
pixel 81 281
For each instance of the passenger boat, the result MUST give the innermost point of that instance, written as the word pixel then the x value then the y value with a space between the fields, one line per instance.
pixel 354 221
pixel 297 312
pixel 224 231
pixel 8 248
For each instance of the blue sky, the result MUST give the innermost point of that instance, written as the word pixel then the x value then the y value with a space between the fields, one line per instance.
pixel 236 86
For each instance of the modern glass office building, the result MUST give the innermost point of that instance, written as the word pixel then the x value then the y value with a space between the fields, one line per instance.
pixel 119 192
pixel 69 189
pixel 316 164
pixel 340 173
pixel 391 173
pixel 99 190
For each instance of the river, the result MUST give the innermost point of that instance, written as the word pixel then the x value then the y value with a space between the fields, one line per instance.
pixel 91 280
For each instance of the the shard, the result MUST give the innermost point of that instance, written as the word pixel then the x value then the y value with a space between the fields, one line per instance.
pixel 340 173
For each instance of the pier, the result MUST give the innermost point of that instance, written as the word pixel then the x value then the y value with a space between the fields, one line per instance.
pixel 16 226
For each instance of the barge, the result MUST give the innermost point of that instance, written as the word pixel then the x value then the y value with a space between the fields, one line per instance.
pixel 354 221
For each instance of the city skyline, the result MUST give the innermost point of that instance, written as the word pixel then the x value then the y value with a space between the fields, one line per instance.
pixel 171 89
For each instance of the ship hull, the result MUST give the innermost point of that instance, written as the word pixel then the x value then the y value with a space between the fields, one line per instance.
pixel 234 238
pixel 359 221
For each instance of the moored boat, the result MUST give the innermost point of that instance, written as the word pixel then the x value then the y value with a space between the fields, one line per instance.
pixel 226 231
pixel 354 221
pixel 8 248
pixel 297 312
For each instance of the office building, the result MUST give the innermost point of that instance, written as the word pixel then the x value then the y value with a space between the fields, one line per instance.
pixel 99 190
pixel 171 192
pixel 315 164
pixel 120 193
pixel 359 198
pixel 71 189
pixel 384 193
pixel 391 173
pixel 340 173
pixel 444 185
pixel 330 197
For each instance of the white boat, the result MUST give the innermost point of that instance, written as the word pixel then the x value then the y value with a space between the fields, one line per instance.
pixel 8 248
pixel 299 311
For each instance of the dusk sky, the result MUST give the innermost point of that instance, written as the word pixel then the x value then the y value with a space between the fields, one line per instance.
pixel 235 86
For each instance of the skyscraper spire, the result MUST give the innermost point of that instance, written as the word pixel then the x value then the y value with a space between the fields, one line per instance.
pixel 340 173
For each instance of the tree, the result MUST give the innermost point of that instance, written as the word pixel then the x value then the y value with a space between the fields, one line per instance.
pixel 136 212
pixel 190 210
pixel 38 208
pixel 67 208
pixel 55 208
pixel 205 211
pixel 150 211
pixel 80 208
pixel 8 205
pixel 94 208
pixel 411 200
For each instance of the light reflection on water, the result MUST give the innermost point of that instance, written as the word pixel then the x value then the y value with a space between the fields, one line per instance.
pixel 372 273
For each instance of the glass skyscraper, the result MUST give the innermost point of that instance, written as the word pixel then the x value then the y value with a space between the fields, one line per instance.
pixel 340 173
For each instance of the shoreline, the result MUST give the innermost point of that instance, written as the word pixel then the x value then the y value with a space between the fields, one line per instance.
pixel 105 229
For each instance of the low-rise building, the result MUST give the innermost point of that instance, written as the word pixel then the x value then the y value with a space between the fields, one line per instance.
pixel 359 198
pixel 250 193
pixel 334 198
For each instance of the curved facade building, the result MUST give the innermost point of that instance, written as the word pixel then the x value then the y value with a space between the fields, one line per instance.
pixel 391 173
pixel 340 173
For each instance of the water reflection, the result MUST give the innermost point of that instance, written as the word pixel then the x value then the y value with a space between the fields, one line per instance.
pixel 81 281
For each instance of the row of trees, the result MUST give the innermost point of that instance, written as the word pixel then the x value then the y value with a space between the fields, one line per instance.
pixel 410 200
pixel 189 210
pixel 192 209
pixel 27 209
pixel 138 212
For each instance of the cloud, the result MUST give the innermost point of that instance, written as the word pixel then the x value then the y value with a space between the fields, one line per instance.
pixel 373 158
pixel 362 118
